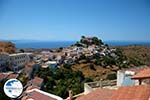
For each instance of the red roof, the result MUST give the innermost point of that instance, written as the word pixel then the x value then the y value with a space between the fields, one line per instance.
pixel 10 76
pixel 143 74
pixel 140 92
pixel 37 81
pixel 99 94
pixel 3 76
pixel 37 96
pixel 32 87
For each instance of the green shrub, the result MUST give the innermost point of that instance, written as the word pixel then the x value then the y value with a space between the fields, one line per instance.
pixel 111 76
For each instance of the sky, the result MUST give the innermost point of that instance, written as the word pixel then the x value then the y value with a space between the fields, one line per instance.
pixel 68 20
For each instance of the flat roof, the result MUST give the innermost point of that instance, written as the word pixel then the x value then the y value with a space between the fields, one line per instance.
pixel 51 62
pixel 14 54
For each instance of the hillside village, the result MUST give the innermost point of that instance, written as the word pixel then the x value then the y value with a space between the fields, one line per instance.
pixel 78 72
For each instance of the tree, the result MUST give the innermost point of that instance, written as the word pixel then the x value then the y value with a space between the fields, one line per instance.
pixel 87 79
pixel 97 41
pixel 2 94
pixel 21 50
pixel 109 61
pixel 92 67
pixel 112 76
pixel 83 37
pixel 61 80
pixel 82 57
pixel 44 72
pixel 78 44
pixel 67 66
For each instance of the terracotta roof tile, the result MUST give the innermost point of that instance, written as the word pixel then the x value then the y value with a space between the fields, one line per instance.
pixel 143 74
pixel 99 94
pixel 32 87
pixel 136 69
pixel 37 81
pixel 141 92
pixel 10 76
pixel 2 76
pixel 36 94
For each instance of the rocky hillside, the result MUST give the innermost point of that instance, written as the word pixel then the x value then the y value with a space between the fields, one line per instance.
pixel 98 60
pixel 139 53
pixel 104 60
pixel 8 47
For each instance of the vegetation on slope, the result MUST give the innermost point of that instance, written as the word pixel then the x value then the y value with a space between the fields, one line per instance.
pixel 138 55
pixel 99 67
pixel 61 80
pixel 2 94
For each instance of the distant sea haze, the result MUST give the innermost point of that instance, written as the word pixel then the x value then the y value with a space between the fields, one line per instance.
pixel 58 44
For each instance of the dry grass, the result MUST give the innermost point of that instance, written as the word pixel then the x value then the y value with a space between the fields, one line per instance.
pixel 97 74
pixel 141 53
pixel 7 47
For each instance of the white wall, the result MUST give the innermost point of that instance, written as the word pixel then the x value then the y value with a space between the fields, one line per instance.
pixel 87 88
pixel 120 77
pixel 19 59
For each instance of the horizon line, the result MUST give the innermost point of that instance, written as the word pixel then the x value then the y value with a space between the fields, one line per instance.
pixel 32 40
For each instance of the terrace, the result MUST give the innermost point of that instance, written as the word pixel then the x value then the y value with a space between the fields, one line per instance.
pixel 90 86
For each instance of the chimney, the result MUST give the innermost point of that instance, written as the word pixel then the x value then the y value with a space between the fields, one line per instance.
pixel 70 95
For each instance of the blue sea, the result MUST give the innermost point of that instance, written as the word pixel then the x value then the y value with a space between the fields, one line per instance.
pixel 57 44
pixel 41 44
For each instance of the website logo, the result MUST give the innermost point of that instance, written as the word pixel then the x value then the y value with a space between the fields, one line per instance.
pixel 13 88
